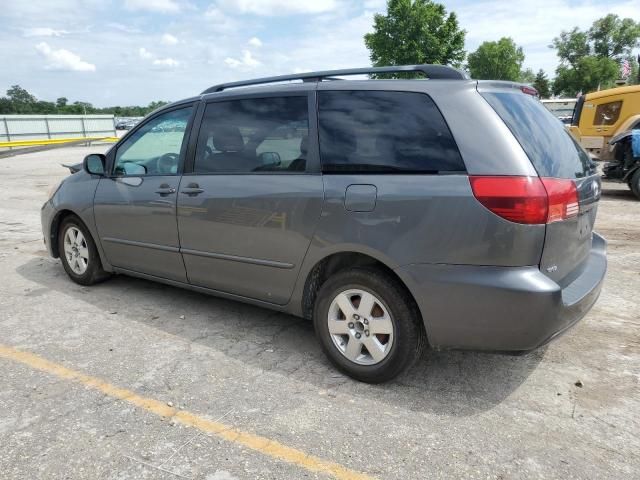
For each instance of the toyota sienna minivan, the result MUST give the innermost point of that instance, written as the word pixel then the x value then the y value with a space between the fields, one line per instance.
pixel 394 214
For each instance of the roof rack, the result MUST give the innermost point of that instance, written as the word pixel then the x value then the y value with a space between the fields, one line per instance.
pixel 430 71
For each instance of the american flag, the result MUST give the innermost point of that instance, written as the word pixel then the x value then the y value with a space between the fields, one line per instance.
pixel 625 68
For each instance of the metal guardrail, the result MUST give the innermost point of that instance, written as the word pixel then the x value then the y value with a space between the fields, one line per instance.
pixel 20 147
pixel 55 141
pixel 35 127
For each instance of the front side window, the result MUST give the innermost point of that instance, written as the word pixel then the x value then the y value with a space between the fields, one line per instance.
pixel 384 132
pixel 254 135
pixel 154 149
pixel 608 113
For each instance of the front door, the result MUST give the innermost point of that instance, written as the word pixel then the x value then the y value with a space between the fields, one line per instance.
pixel 135 207
pixel 247 212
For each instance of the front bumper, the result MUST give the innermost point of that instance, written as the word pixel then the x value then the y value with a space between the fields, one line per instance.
pixel 501 308
pixel 47 214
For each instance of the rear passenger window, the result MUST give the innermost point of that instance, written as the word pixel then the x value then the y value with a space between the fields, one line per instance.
pixel 550 147
pixel 384 132
pixel 254 135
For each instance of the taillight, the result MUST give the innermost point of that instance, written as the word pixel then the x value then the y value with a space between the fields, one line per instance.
pixel 563 198
pixel 529 90
pixel 528 200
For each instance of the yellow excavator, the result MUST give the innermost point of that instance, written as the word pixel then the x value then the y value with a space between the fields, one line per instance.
pixel 607 125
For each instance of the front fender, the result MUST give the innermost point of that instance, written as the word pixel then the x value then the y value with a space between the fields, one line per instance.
pixel 75 197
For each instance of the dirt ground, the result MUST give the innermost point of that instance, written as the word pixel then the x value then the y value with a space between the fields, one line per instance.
pixel 132 379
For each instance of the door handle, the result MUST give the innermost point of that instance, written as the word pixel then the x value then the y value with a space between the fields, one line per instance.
pixel 192 190
pixel 165 190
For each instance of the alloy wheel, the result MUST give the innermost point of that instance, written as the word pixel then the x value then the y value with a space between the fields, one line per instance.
pixel 76 250
pixel 360 326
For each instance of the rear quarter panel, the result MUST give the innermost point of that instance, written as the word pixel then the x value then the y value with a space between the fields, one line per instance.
pixel 424 219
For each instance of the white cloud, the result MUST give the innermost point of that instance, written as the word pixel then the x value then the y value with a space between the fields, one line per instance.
pixel 122 28
pixel 377 5
pixel 166 62
pixel 218 30
pixel 43 32
pixel 168 39
pixel 215 14
pixel 245 62
pixel 162 6
pixel 219 21
pixel 62 59
pixel 255 42
pixel 278 7
pixel 144 53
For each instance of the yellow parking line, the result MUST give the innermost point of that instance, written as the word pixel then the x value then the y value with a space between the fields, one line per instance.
pixel 260 444
pixel 55 141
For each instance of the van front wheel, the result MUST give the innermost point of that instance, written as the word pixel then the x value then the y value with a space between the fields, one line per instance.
pixel 368 325
pixel 78 253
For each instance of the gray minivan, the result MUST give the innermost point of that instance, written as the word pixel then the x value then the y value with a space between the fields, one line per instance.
pixel 394 213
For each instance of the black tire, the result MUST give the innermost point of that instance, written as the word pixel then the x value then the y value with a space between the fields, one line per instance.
pixel 94 272
pixel 409 337
pixel 634 183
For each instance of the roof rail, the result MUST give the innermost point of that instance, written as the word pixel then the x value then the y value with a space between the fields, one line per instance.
pixel 430 71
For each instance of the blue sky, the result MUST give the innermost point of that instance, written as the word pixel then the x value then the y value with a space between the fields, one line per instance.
pixel 117 52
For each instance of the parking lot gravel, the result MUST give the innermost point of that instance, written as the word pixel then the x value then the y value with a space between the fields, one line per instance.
pixel 566 411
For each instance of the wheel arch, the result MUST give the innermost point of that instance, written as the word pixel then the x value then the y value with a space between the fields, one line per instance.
pixel 58 218
pixel 55 229
pixel 337 261
pixel 633 121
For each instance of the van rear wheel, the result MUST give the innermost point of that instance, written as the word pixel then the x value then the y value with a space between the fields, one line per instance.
pixel 368 325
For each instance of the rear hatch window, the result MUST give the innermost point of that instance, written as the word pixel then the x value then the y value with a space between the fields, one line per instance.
pixel 550 147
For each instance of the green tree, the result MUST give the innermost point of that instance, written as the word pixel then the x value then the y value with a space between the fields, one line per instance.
pixel 415 32
pixel 21 100
pixel 46 108
pixel 590 60
pixel 83 108
pixel 542 84
pixel 6 107
pixel 589 74
pixel 634 77
pixel 614 37
pixel 527 76
pixel 501 60
pixel 155 105
pixel 571 46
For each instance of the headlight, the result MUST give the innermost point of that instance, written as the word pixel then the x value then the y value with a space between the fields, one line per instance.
pixel 54 189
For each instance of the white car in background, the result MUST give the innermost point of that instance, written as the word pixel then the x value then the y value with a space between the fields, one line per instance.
pixel 562 108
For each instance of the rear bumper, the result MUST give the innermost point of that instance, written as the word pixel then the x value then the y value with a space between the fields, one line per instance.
pixel 502 308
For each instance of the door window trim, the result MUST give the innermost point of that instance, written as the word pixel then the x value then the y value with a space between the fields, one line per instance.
pixel 313 155
pixel 111 158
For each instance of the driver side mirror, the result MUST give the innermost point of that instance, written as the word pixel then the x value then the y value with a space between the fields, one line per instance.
pixel 94 164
